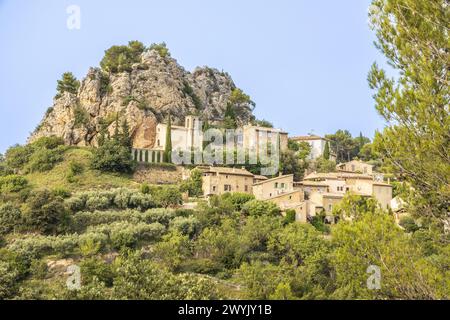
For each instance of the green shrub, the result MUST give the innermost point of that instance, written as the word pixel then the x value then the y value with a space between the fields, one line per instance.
pixel 111 156
pixel 166 196
pixel 45 159
pixel 193 185
pixel 260 208
pixel 409 224
pixel 10 218
pixel 7 280
pixel 290 216
pixel 38 269
pixel 188 226
pixel 161 48
pixel 121 58
pixel 95 268
pixel 126 235
pixel 237 200
pixel 17 156
pixel 45 212
pixel 145 188
pixel 13 183
pixel 80 117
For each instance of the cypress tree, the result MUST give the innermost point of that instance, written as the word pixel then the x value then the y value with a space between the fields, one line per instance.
pixel 168 146
pixel 326 152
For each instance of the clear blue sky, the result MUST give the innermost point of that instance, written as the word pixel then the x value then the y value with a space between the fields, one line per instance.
pixel 304 63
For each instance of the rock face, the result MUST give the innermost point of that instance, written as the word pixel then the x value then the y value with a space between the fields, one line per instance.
pixel 155 87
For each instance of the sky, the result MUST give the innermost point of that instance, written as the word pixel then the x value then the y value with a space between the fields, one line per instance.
pixel 304 63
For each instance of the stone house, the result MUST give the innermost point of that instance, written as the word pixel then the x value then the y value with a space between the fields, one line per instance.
pixel 317 144
pixel 356 166
pixel 220 180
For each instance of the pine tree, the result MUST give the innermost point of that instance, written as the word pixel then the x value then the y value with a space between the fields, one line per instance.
pixel 168 146
pixel 413 35
pixel 68 83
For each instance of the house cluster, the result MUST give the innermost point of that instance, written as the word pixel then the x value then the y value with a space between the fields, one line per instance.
pixel 317 194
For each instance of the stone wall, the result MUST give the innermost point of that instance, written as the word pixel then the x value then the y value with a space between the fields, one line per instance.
pixel 158 174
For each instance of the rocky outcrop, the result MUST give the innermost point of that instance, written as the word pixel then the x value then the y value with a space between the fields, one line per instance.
pixel 155 87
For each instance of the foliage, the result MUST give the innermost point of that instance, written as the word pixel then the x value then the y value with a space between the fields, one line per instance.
pixel 326 151
pixel 68 83
pixel 193 185
pixel 12 183
pixel 10 218
pixel 292 163
pixel 260 208
pixel 413 36
pixel 353 206
pixel 139 279
pixel 166 196
pixel 112 156
pixel 121 58
pixel 161 48
pixel 40 155
pixel 167 156
pixel 263 123
pixel 80 117
pixel 323 165
pixel 375 240
pixel 345 146
pixel 45 212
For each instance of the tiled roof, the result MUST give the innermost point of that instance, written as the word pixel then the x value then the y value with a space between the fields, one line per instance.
pixel 338 175
pixel 230 171
pixel 307 138
pixel 274 179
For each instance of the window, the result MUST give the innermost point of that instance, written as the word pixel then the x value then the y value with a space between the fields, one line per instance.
pixel 227 188
pixel 246 188
pixel 330 207
pixel 276 185
pixel 283 186
pixel 214 188
pixel 159 143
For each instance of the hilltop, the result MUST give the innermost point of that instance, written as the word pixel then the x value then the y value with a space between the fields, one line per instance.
pixel 142 85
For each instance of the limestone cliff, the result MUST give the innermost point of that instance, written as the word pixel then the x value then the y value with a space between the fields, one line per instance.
pixel 144 96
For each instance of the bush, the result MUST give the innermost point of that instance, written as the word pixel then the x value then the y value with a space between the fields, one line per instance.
pixel 166 196
pixel 188 226
pixel 409 224
pixel 46 212
pixel 111 156
pixel 38 269
pixel 17 156
pixel 7 280
pixel 95 268
pixel 145 188
pixel 290 216
pixel 44 159
pixel 193 185
pixel 261 208
pixel 161 48
pixel 127 235
pixel 238 200
pixel 12 183
pixel 10 217
pixel 121 58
